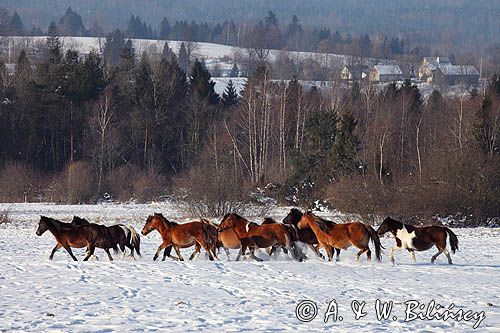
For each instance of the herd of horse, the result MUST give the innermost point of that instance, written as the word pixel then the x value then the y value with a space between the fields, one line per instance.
pixel 236 232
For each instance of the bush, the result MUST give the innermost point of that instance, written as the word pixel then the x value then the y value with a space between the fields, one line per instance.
pixel 120 182
pixel 209 194
pixel 131 183
pixel 148 186
pixel 5 215
pixel 81 183
pixel 16 183
pixel 75 185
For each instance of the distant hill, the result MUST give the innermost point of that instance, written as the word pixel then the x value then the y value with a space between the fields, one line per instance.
pixel 465 23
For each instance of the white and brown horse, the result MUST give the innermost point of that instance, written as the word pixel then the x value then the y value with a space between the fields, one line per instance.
pixel 418 238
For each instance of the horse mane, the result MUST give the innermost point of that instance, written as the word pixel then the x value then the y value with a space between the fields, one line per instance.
pixel 324 224
pixel 269 220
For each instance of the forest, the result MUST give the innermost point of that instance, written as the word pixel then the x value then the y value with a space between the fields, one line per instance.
pixel 79 130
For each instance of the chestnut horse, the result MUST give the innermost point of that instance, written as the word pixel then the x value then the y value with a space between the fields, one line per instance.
pixel 69 235
pixel 342 236
pixel 306 235
pixel 124 236
pixel 252 235
pixel 182 235
pixel 418 238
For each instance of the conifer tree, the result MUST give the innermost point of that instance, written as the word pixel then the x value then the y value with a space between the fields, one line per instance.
pixel 230 95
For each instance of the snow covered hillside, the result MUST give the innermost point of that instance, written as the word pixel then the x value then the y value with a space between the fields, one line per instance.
pixel 125 295
pixel 207 51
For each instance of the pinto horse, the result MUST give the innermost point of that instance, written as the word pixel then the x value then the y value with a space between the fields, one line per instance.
pixel 418 238
pixel 342 236
pixel 306 235
pixel 124 236
pixel 77 236
pixel 252 235
pixel 182 235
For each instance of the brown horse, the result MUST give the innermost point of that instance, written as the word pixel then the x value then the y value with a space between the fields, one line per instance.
pixel 182 235
pixel 252 235
pixel 226 239
pixel 418 238
pixel 123 235
pixel 306 235
pixel 77 236
pixel 342 236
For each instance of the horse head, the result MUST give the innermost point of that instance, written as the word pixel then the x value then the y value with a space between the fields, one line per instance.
pixel 293 217
pixel 79 221
pixel 304 220
pixel 42 225
pixel 389 224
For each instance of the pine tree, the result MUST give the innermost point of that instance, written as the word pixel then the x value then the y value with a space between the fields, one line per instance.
pixel 202 111
pixel 346 144
pixel 115 42
pixel 167 52
pixel 164 29
pixel 71 24
pixel 230 95
pixel 486 128
pixel 53 44
pixel 16 26
pixel 235 72
pixel 183 58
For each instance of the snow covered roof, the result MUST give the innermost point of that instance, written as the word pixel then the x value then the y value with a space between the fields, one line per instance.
pixel 459 70
pixel 438 60
pixel 388 69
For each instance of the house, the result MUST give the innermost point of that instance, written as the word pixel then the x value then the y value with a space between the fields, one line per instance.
pixel 428 66
pixel 354 73
pixel 386 73
pixel 454 75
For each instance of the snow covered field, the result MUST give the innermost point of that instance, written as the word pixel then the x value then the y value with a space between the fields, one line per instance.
pixel 125 295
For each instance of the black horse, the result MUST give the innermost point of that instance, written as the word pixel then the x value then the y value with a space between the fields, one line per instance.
pixel 123 235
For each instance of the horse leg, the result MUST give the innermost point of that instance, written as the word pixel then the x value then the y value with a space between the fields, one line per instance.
pixel 161 247
pixel 243 249
pixel 90 252
pixel 316 251
pixel 57 247
pixel 166 253
pixel 360 253
pixel 448 256
pixel 227 253
pixel 337 257
pixel 412 255
pixel 436 255
pixel 207 250
pixel 109 254
pixel 178 252
pixel 391 254
pixel 196 251
pixel 329 251
pixel 68 249
pixel 253 256
pixel 369 254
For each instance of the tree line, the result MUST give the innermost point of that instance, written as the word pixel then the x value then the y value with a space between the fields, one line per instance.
pixel 79 129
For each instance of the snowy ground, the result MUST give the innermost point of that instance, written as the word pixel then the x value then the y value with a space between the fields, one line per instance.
pixel 61 295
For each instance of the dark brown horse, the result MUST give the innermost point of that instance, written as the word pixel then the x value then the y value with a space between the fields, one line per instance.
pixel 253 236
pixel 123 235
pixel 418 238
pixel 306 235
pixel 342 236
pixel 77 236
pixel 200 234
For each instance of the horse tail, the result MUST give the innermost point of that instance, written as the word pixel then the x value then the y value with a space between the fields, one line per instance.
pixel 135 240
pixel 376 241
pixel 453 240
pixel 209 234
